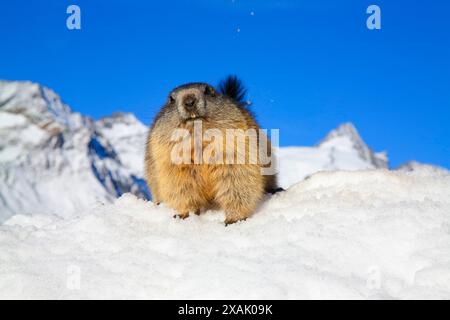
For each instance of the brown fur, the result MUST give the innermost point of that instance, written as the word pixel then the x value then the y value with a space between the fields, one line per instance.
pixel 235 188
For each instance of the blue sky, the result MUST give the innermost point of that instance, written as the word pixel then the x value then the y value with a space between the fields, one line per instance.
pixel 309 65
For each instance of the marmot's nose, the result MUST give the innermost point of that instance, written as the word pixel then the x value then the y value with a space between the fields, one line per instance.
pixel 190 102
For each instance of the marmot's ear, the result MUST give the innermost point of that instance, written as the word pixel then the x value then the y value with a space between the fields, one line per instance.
pixel 209 91
pixel 232 87
pixel 171 98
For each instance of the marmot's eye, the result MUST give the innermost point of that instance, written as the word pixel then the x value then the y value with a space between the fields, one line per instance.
pixel 171 99
pixel 209 91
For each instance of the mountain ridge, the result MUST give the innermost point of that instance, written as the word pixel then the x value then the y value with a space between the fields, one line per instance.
pixel 52 159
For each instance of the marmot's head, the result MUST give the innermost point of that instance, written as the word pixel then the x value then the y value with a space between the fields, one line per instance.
pixel 191 100
pixel 195 100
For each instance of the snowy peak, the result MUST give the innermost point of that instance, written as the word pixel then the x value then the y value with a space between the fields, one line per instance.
pixel 40 105
pixel 49 154
pixel 344 130
pixel 341 149
pixel 345 138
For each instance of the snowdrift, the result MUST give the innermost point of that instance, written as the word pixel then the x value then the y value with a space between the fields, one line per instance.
pixel 365 234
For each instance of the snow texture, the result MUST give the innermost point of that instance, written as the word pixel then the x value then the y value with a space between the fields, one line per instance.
pixel 347 227
pixel 374 234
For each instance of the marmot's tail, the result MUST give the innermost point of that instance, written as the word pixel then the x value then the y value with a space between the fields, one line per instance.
pixel 232 87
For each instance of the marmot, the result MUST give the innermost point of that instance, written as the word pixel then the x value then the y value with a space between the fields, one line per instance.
pixel 195 186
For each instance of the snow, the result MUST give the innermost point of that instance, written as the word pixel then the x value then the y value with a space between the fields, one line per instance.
pixel 56 161
pixel 346 138
pixel 421 167
pixel 346 227
pixel 128 136
pixel 361 234
pixel 10 125
pixel 35 102
pixel 8 120
pixel 341 149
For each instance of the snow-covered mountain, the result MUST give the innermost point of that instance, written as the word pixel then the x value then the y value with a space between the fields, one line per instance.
pixel 54 160
pixel 57 161
pixel 127 135
pixel 341 149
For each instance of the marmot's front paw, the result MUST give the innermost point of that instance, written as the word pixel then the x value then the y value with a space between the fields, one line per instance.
pixel 229 221
pixel 181 215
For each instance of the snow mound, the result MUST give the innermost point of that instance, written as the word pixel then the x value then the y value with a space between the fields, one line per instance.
pixel 363 234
